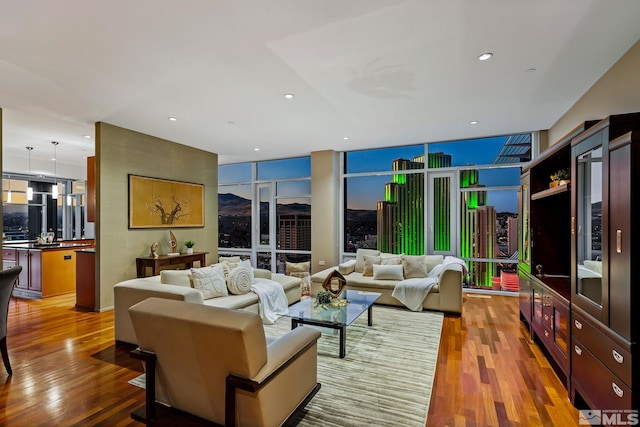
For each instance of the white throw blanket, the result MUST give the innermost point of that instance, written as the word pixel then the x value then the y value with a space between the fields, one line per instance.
pixel 273 301
pixel 412 292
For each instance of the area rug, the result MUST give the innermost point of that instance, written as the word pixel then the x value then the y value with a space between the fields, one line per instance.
pixel 386 376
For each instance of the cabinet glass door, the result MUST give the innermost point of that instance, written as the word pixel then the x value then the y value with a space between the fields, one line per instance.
pixel 589 226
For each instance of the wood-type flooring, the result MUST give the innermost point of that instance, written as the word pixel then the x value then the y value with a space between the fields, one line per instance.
pixel 68 371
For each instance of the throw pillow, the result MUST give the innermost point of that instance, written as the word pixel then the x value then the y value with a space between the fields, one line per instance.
pixel 209 281
pixel 239 282
pixel 360 253
pixel 414 266
pixel 229 259
pixel 298 267
pixel 390 259
pixel 247 264
pixel 388 272
pixel 369 261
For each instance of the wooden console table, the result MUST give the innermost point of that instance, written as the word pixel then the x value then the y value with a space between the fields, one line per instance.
pixel 164 260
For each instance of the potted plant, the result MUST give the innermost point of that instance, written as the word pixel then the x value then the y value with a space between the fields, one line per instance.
pixel 561 177
pixel 189 245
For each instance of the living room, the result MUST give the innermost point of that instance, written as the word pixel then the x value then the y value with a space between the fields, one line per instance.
pixel 121 151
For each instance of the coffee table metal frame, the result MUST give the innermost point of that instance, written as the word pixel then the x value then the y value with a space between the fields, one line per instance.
pixel 302 312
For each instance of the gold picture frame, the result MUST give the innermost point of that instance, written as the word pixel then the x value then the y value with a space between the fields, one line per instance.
pixel 164 203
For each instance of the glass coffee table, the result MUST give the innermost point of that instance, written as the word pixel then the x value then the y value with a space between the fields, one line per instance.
pixel 334 317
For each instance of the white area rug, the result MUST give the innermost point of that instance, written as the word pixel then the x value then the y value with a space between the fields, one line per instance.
pixel 385 378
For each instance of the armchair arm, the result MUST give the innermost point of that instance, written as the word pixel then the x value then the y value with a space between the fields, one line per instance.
pixel 450 289
pixel 280 354
pixel 261 273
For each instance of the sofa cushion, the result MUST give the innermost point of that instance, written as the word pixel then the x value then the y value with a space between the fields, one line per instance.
pixel 414 266
pixel 236 302
pixel 210 281
pixel 360 253
pixel 176 277
pixel 433 260
pixel 390 259
pixel 388 272
pixel 369 261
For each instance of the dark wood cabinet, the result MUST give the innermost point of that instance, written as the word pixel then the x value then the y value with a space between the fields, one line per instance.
pixel 604 331
pixel 30 279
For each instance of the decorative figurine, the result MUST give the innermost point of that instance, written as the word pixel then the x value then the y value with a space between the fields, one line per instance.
pixel 173 244
pixel 154 249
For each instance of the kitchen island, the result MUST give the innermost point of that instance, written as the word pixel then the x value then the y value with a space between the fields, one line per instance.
pixel 47 269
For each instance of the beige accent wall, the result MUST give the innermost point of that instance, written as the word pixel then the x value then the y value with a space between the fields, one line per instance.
pixel 325 193
pixel 120 152
pixel 616 92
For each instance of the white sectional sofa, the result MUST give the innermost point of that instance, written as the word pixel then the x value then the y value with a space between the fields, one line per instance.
pixel 175 284
pixel 445 296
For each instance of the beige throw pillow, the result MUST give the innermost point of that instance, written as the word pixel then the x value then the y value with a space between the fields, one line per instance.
pixel 175 277
pixel 298 267
pixel 229 259
pixel 239 281
pixel 414 266
pixel 360 253
pixel 369 261
pixel 209 281
pixel 433 260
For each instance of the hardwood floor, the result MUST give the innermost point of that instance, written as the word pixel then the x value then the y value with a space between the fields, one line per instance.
pixel 490 374
pixel 68 370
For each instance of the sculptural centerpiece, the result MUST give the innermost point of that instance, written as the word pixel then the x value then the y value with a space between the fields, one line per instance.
pixel 154 249
pixel 173 245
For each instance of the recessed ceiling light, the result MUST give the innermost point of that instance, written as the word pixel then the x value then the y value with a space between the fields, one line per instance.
pixel 87 136
pixel 345 138
pixel 289 95
pixel 256 149
pixel 473 122
pixel 172 119
pixel 485 56
pixel 530 70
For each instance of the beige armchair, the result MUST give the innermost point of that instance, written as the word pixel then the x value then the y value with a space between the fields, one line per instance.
pixel 216 364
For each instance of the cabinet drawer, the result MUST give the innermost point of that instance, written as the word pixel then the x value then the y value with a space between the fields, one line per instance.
pixel 614 356
pixel 9 254
pixel 605 390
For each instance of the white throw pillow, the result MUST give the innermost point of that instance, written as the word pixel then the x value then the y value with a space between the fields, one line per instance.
pixel 388 272
pixel 210 281
pixel 239 281
pixel 247 264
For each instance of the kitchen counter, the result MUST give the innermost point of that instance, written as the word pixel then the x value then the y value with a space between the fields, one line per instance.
pixel 46 246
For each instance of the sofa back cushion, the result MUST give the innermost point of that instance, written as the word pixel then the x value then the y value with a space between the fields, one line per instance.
pixel 433 260
pixel 176 277
pixel 360 253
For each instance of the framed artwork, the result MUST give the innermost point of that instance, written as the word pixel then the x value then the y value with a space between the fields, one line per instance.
pixel 163 203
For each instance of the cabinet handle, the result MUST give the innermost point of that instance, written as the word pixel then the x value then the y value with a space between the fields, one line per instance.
pixel 573 225
pixel 617 390
pixel 617 356
pixel 578 350
pixel 578 324
pixel 619 241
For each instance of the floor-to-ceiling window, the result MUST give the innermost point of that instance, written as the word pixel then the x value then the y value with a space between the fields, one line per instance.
pixel 455 198
pixel 264 211
pixel 29 208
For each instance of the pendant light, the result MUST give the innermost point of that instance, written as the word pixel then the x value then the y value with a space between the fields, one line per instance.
pixel 29 187
pixel 54 187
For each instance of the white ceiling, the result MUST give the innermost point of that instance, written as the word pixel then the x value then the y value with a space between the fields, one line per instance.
pixel 382 72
